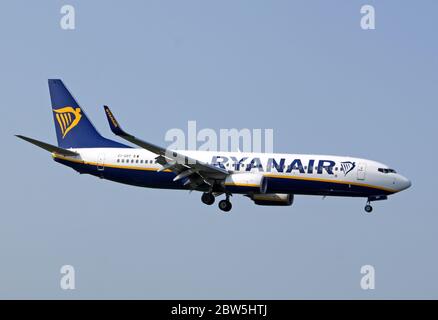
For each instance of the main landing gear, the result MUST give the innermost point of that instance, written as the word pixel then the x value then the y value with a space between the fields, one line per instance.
pixel 225 205
pixel 207 198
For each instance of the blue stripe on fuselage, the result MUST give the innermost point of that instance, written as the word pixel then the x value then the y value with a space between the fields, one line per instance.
pixel 140 178
pixel 315 187
pixel 164 180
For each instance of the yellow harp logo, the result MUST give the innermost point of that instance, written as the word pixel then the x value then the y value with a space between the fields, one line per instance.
pixel 67 118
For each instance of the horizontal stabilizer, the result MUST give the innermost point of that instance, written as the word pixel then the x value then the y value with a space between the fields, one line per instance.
pixel 49 147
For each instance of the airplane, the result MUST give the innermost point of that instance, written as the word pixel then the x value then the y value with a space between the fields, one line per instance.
pixel 267 179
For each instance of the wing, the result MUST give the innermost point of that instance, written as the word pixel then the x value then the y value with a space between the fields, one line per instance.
pixel 49 147
pixel 196 171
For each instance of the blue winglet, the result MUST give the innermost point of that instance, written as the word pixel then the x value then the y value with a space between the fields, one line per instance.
pixel 114 125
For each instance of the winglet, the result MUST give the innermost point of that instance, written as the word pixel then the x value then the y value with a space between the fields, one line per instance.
pixel 114 125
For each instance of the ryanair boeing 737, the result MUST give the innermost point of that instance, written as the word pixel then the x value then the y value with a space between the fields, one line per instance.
pixel 267 179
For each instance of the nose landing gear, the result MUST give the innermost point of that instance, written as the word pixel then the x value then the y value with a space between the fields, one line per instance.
pixel 368 207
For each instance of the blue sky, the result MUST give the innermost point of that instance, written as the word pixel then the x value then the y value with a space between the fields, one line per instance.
pixel 304 68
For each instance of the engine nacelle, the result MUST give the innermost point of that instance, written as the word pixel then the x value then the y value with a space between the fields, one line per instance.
pixel 273 199
pixel 248 183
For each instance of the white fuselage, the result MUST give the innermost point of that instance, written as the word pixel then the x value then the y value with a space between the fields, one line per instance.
pixel 320 172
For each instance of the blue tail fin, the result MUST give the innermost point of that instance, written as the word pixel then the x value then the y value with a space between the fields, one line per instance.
pixel 73 128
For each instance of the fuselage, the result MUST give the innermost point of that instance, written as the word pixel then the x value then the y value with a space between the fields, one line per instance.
pixel 286 173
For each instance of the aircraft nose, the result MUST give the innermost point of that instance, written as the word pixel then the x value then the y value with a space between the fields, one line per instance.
pixel 404 183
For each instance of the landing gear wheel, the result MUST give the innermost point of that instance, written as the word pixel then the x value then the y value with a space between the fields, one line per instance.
pixel 225 205
pixel 368 208
pixel 207 198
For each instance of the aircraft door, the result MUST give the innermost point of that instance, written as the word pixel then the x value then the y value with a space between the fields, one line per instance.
pixel 101 162
pixel 361 171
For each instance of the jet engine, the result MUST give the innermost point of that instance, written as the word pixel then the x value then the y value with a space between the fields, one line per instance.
pixel 245 183
pixel 273 199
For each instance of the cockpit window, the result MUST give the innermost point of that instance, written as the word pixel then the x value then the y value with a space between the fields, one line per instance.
pixel 386 170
